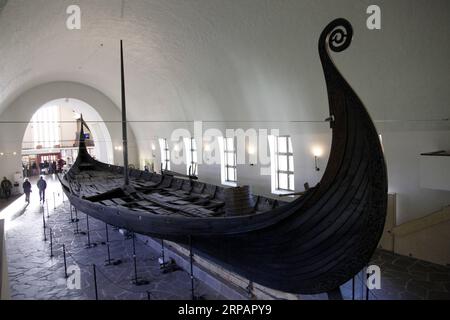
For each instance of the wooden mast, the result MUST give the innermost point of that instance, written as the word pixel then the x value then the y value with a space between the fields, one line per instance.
pixel 124 120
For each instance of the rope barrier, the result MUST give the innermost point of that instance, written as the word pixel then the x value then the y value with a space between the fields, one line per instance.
pixel 61 248
pixel 69 251
pixel 76 261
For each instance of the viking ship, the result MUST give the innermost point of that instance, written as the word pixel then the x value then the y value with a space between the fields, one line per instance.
pixel 310 245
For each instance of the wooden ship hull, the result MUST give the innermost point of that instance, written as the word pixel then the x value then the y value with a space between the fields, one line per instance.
pixel 311 245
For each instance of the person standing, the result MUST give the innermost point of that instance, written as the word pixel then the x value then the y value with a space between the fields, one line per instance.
pixel 61 164
pixel 34 169
pixel 6 186
pixel 27 190
pixel 42 185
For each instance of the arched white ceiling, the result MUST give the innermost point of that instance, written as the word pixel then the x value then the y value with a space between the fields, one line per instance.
pixel 216 59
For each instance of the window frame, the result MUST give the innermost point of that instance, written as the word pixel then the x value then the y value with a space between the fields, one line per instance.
pixel 289 165
pixel 192 156
pixel 165 153
pixel 46 131
pixel 227 165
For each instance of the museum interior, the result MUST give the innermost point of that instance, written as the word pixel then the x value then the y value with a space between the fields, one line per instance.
pixel 224 150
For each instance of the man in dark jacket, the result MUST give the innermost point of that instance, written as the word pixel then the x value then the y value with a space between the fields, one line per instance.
pixel 27 190
pixel 42 185
pixel 6 186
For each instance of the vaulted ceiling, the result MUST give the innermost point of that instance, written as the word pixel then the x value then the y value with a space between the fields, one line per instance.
pixel 216 59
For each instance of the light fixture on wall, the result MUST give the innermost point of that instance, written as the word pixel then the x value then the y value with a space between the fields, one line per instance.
pixel 206 151
pixel 8 154
pixel 118 148
pixel 251 150
pixel 153 150
pixel 317 152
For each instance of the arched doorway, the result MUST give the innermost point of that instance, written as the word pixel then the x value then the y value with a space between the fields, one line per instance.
pixel 16 117
pixel 52 134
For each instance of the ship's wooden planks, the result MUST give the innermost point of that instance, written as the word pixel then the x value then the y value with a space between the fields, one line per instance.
pixel 311 245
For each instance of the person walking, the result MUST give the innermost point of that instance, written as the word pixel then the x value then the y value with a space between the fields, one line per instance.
pixel 27 190
pixel 42 185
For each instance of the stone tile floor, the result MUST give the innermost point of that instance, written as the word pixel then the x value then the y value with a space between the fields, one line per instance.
pixel 34 275
pixel 402 278
pixel 6 202
pixel 408 278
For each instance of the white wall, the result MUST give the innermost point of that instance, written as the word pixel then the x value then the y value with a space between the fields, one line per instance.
pixel 15 120
pixel 269 70
pixel 246 60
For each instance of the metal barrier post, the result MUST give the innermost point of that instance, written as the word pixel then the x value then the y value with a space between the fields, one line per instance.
pixel 65 261
pixel 110 261
pixel 353 288
pixel 51 243
pixel 89 244
pixel 136 281
pixel 76 220
pixel 367 287
pixel 191 259
pixel 95 282
pixel 162 253
pixel 43 221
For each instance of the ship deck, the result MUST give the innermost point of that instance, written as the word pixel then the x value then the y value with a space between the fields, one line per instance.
pixel 159 194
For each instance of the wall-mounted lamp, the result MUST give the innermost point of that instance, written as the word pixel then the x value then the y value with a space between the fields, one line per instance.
pixel 118 148
pixel 251 150
pixel 7 154
pixel 317 152
pixel 207 150
pixel 153 147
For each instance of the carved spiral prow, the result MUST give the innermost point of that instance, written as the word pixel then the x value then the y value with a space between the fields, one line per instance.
pixel 337 35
